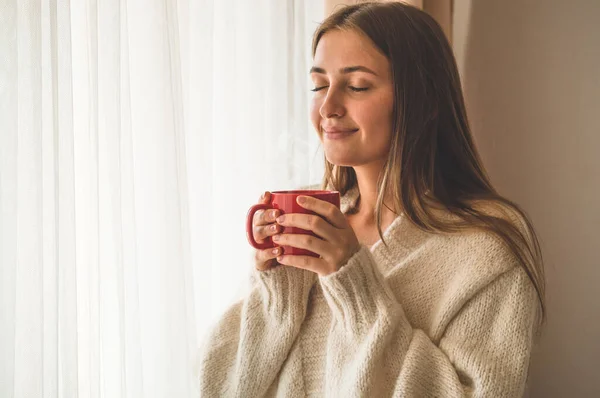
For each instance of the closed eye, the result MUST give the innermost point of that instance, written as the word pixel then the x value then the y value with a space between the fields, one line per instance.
pixel 355 89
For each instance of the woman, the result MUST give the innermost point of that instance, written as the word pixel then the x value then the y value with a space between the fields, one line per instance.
pixel 447 301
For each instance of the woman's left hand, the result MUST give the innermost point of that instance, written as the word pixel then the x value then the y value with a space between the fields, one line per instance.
pixel 337 242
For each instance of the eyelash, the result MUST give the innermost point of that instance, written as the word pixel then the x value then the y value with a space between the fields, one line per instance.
pixel 355 89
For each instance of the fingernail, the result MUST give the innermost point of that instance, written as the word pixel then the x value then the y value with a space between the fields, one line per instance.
pixel 276 251
pixel 280 219
pixel 301 199
pixel 275 238
pixel 273 227
pixel 274 213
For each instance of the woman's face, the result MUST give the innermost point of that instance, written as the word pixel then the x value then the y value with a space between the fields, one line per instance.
pixel 352 105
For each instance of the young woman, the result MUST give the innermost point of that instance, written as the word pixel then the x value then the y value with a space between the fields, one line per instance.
pixel 429 283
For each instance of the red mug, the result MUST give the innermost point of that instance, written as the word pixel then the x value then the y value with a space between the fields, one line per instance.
pixel 285 202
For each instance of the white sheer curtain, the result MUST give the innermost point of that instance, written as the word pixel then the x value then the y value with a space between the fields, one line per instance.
pixel 134 135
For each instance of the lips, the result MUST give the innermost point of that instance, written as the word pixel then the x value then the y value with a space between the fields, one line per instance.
pixel 335 133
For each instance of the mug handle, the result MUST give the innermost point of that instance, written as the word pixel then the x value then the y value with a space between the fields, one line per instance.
pixel 249 233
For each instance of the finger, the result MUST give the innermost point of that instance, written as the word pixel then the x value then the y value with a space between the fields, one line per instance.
pixel 309 222
pixel 303 241
pixel 265 198
pixel 263 231
pixel 316 265
pixel 263 256
pixel 325 209
pixel 264 217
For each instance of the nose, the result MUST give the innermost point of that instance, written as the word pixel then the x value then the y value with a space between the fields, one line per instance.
pixel 332 105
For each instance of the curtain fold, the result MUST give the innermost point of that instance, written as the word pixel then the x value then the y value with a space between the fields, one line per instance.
pixel 134 136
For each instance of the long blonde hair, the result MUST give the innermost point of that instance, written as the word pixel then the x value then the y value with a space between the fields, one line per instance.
pixel 432 161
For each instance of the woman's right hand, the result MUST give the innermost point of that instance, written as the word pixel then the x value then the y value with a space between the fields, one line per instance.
pixel 263 226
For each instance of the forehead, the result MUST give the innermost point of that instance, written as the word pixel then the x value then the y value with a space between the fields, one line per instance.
pixel 341 48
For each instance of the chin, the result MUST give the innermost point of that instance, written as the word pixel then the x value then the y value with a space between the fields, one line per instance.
pixel 344 161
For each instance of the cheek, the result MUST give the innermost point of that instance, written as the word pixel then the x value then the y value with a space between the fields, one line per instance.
pixel 377 116
pixel 377 121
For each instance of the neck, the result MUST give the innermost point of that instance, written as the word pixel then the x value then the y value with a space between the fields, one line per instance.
pixel 367 177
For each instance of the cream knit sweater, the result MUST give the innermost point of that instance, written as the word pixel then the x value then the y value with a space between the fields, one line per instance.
pixel 433 315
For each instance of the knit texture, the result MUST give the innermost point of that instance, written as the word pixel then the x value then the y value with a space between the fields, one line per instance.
pixel 431 315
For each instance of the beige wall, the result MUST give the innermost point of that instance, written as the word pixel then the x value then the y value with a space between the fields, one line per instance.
pixel 531 72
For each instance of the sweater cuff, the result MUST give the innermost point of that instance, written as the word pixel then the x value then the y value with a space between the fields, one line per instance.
pixel 284 291
pixel 358 294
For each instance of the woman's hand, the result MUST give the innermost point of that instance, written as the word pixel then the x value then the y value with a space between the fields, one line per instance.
pixel 336 243
pixel 263 226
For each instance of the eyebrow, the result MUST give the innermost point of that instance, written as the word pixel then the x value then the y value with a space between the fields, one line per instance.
pixel 346 70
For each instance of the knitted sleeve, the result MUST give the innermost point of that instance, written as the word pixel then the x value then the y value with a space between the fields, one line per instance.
pixel 244 352
pixel 374 351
